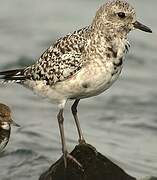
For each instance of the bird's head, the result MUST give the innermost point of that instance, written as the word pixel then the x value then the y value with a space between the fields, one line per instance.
pixel 5 116
pixel 118 16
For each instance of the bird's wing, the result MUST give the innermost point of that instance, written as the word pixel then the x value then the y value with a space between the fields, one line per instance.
pixel 61 60
pixel 4 138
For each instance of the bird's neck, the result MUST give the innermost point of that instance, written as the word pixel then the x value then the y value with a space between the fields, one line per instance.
pixel 103 45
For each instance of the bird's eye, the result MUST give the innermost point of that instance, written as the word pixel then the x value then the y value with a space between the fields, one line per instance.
pixel 121 15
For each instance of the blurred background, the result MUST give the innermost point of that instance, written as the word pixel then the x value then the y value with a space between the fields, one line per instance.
pixel 121 123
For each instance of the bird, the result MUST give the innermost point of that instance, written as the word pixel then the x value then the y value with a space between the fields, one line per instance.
pixel 81 64
pixel 5 125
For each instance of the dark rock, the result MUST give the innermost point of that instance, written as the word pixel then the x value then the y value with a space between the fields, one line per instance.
pixel 95 167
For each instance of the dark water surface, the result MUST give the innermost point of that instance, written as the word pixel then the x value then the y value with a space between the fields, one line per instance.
pixel 121 123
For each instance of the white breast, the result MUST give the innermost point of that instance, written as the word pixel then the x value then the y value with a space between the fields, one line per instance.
pixel 90 81
pixel 5 126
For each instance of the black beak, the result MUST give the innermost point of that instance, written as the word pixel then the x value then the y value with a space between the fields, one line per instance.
pixel 14 123
pixel 142 27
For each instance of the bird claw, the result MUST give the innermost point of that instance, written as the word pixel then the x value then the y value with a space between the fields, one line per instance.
pixel 74 160
pixel 70 157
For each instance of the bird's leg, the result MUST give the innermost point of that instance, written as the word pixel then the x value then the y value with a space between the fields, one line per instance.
pixel 61 128
pixel 64 148
pixel 74 112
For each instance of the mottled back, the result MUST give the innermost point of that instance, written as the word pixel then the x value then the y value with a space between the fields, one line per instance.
pixel 61 60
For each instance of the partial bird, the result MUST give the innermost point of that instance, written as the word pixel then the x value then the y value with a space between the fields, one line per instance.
pixel 5 125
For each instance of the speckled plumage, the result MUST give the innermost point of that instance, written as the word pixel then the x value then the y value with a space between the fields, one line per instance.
pixel 61 60
pixel 81 64
pixel 66 58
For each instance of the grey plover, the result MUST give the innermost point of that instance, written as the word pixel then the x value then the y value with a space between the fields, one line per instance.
pixel 83 63
pixel 5 125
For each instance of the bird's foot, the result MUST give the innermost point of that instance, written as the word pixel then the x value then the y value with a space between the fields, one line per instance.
pixel 67 156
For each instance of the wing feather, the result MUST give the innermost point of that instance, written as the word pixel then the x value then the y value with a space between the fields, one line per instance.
pixel 61 60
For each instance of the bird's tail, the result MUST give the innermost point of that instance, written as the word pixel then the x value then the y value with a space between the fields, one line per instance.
pixel 16 75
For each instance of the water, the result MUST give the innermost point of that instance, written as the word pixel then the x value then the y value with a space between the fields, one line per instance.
pixel 121 123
